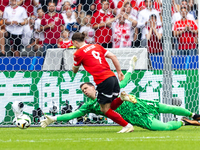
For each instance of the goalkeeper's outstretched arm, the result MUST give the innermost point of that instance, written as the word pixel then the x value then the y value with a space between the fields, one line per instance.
pixel 127 76
pixel 65 117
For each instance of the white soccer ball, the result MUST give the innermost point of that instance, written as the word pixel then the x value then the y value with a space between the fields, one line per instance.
pixel 23 121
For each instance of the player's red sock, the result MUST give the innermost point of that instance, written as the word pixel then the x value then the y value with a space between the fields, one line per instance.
pixel 116 103
pixel 116 117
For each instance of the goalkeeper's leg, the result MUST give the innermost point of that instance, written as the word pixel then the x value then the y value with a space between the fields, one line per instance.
pixel 157 125
pixel 176 110
pixel 117 102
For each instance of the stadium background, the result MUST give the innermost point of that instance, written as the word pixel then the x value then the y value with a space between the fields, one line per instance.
pixel 23 78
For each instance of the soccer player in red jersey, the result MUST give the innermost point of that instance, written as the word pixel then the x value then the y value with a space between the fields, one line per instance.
pixel 93 58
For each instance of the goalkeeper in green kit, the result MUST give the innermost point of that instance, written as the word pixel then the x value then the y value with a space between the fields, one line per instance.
pixel 134 110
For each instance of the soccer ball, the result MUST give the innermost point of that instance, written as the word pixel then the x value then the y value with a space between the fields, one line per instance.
pixel 23 121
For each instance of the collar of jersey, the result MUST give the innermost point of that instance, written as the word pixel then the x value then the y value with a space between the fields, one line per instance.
pixel 83 45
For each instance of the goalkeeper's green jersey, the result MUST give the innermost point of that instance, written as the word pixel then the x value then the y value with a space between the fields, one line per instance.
pixel 137 114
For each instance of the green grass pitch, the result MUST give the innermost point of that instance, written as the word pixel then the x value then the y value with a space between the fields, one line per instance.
pixel 98 138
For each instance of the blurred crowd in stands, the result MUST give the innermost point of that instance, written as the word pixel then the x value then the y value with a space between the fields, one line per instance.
pixel 30 27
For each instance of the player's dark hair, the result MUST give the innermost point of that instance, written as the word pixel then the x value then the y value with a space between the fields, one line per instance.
pixel 39 9
pixel 88 83
pixel 88 14
pixel 146 0
pixel 66 2
pixel 80 37
pixel 153 15
pixel 104 1
pixel 184 1
pixel 183 8
pixel 51 2
pixel 65 30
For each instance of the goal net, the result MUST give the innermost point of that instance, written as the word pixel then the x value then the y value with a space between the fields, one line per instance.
pixel 40 75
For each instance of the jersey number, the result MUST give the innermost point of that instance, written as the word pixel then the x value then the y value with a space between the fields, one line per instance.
pixel 96 55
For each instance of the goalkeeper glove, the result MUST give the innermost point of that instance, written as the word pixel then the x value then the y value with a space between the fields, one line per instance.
pixel 132 63
pixel 47 121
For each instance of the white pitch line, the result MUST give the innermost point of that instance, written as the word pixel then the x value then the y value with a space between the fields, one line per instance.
pixel 162 138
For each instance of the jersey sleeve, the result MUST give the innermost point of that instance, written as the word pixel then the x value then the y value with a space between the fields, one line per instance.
pixel 77 60
pixel 83 110
pixel 194 25
pixel 37 25
pixel 5 14
pixel 174 18
pixel 104 51
pixel 158 18
pixel 141 20
pixel 145 31
pixel 160 30
pixel 86 108
pixel 62 20
pixel 70 116
pixel 174 28
pixel 24 15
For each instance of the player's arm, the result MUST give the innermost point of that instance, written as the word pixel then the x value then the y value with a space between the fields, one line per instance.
pixel 116 64
pixel 42 28
pixel 24 22
pixel 177 33
pixel 75 69
pixel 70 116
pixel 65 117
pixel 7 22
pixel 77 62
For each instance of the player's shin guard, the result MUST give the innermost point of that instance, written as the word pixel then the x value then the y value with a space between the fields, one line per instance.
pixel 116 117
pixel 116 103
